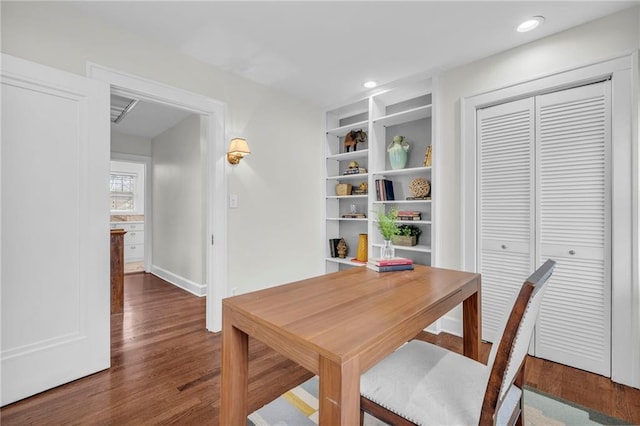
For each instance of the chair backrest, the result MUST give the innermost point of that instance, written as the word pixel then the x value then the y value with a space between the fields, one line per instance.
pixel 510 354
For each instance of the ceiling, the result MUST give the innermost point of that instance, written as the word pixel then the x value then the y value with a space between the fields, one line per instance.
pixel 322 51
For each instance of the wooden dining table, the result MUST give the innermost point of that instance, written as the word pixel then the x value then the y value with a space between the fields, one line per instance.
pixel 338 326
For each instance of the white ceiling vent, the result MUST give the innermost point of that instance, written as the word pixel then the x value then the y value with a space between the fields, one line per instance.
pixel 120 106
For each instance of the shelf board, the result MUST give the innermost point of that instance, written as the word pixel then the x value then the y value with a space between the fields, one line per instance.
pixel 401 201
pixel 344 261
pixel 340 197
pixel 409 222
pixel 348 156
pixel 409 171
pixel 404 116
pixel 349 219
pixel 345 177
pixel 342 130
pixel 419 248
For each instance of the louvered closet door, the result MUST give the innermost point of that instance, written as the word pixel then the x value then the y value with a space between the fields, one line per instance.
pixel 573 144
pixel 506 193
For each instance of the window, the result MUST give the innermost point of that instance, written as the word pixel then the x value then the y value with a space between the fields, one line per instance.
pixel 123 191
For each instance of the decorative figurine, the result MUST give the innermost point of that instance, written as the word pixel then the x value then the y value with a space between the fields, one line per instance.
pixel 342 248
pixel 354 137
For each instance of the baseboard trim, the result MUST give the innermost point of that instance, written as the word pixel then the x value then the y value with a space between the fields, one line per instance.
pixel 199 290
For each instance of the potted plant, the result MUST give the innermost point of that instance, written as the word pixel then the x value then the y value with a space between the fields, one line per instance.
pixel 407 235
pixel 388 226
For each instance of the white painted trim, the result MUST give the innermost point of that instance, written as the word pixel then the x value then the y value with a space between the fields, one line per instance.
pixel 148 202
pixel 625 344
pixel 192 287
pixel 213 113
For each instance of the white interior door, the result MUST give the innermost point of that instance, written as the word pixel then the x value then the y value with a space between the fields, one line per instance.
pixel 54 228
pixel 505 205
pixel 573 145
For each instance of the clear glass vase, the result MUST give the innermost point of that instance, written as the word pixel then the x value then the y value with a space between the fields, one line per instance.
pixel 387 251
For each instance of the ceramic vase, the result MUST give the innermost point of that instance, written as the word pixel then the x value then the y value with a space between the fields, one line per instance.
pixel 398 154
pixel 362 255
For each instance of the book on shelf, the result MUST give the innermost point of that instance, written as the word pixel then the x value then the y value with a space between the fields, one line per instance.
pixel 376 261
pixel 384 190
pixel 409 213
pixel 390 268
pixel 409 218
pixel 418 198
pixel 333 246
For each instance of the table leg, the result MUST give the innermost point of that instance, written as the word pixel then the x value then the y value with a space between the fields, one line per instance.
pixel 339 393
pixel 472 325
pixel 234 383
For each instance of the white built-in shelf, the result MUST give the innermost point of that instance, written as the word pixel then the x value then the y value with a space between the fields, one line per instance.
pixel 400 201
pixel 348 156
pixel 358 176
pixel 409 222
pixel 349 219
pixel 343 130
pixel 400 172
pixel 345 261
pixel 404 116
pixel 342 197
pixel 417 248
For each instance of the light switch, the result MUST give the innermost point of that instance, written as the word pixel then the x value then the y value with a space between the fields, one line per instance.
pixel 233 201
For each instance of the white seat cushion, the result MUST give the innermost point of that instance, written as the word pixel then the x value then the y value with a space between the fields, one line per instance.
pixel 427 384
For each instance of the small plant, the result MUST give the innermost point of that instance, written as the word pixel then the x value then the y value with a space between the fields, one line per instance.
pixel 409 230
pixel 387 223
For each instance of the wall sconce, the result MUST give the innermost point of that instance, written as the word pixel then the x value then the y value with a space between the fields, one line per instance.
pixel 238 148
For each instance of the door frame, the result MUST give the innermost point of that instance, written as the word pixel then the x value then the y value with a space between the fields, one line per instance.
pixel 625 291
pixel 212 128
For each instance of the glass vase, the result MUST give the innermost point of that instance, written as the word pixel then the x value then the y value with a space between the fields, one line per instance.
pixel 387 252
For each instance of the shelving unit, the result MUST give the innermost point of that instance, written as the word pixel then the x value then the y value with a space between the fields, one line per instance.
pixel 406 110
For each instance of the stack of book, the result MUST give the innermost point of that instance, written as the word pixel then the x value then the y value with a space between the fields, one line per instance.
pixel 390 265
pixel 354 216
pixel 409 215
pixel 355 171
pixel 384 190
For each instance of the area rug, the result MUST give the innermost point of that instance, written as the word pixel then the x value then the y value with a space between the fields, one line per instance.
pixel 299 407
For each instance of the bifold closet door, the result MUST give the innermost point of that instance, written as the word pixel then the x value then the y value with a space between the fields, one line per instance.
pixel 505 135
pixel 543 192
pixel 572 147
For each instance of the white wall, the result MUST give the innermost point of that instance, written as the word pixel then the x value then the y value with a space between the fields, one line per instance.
pixel 177 200
pixel 130 144
pixel 275 233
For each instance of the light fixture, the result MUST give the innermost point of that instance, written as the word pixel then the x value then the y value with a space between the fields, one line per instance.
pixel 530 24
pixel 370 84
pixel 238 148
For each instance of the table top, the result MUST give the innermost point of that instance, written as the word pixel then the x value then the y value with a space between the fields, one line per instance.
pixel 346 314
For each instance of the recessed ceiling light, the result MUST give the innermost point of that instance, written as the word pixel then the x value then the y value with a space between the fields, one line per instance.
pixel 370 84
pixel 530 24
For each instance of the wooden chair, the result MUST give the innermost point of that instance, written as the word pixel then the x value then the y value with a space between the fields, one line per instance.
pixel 421 383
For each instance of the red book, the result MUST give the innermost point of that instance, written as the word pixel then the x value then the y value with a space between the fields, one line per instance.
pixel 391 262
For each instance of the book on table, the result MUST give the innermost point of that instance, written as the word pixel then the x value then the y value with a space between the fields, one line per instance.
pixel 390 268
pixel 377 261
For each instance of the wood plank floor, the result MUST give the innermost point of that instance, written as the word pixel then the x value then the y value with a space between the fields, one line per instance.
pixel 165 369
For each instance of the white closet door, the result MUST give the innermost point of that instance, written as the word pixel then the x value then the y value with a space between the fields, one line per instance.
pixel 573 143
pixel 505 187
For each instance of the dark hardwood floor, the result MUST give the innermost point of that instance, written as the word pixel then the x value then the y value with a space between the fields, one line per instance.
pixel 165 369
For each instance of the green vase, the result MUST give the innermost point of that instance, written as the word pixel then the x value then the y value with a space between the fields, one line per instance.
pixel 398 155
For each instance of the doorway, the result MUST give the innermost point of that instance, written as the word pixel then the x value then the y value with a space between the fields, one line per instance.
pixel 214 185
